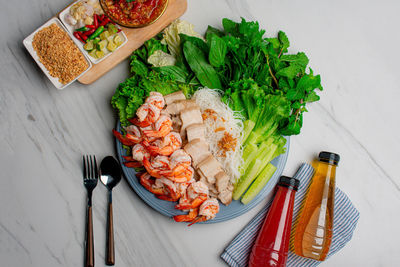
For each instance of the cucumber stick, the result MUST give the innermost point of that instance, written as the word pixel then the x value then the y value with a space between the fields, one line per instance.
pixel 249 154
pixel 248 126
pixel 267 157
pixel 259 183
pixel 246 179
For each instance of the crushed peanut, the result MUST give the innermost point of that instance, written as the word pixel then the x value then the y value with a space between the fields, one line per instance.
pixel 209 113
pixel 59 54
pixel 227 143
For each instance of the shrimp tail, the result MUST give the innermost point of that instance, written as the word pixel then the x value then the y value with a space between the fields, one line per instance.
pixel 138 123
pixel 167 198
pixel 147 182
pixel 147 166
pixel 195 203
pixel 123 139
pixel 165 151
pixel 133 164
pixel 163 132
pixel 187 217
pixel 198 219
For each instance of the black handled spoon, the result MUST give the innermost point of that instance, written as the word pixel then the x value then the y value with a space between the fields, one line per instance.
pixel 110 175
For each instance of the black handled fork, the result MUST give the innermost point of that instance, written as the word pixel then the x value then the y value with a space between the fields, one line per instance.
pixel 90 177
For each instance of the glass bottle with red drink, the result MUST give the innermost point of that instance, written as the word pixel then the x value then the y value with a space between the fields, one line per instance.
pixel 272 244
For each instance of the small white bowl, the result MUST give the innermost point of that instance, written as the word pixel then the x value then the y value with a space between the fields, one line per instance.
pixel 71 29
pixel 28 45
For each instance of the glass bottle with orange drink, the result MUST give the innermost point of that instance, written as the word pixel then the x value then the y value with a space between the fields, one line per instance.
pixel 313 233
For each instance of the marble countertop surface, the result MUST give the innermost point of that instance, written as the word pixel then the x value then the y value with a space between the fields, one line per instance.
pixel 352 44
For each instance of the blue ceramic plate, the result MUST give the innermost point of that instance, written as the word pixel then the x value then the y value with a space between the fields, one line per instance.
pixel 235 209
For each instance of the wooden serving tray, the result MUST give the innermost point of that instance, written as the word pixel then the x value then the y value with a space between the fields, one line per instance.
pixel 136 38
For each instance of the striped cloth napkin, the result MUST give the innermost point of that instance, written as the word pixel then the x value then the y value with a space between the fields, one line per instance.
pixel 237 253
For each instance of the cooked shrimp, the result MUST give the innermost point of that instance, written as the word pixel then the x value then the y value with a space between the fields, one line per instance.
pixel 128 139
pixel 131 162
pixel 148 112
pixel 162 127
pixel 160 165
pixel 160 162
pixel 163 188
pixel 133 130
pixel 207 211
pixel 139 152
pixel 196 194
pixel 180 157
pixel 156 99
pixel 187 217
pixel 170 143
pixel 171 192
pixel 186 174
pixel 182 188
pixel 179 161
pixel 138 123
pixel 148 182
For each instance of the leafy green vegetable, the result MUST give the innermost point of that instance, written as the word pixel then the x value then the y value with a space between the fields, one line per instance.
pixel 211 31
pixel 217 51
pixel 139 59
pixel 161 59
pixel 196 41
pixel 198 63
pixel 259 78
pixel 172 37
pixel 176 73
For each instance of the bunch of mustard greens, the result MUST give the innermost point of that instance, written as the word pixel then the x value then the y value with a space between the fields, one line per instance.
pixel 257 76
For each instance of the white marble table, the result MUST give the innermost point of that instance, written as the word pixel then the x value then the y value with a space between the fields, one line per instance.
pixel 352 44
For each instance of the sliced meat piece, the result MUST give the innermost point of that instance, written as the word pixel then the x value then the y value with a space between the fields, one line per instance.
pixel 171 98
pixel 210 167
pixel 212 191
pixel 222 181
pixel 198 150
pixel 225 196
pixel 195 131
pixel 231 187
pixel 190 116
pixel 179 105
pixel 176 123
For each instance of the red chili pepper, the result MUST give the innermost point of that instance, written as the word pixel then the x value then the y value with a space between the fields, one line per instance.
pixel 89 32
pixel 84 37
pixel 95 21
pixel 104 22
pixel 90 26
pixel 118 30
pixel 78 36
pixel 103 17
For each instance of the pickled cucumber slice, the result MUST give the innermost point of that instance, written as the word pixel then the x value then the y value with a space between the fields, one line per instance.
pixel 111 46
pixel 99 53
pixel 117 40
pixel 101 45
pixel 104 35
pixel 93 53
pixel 89 46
